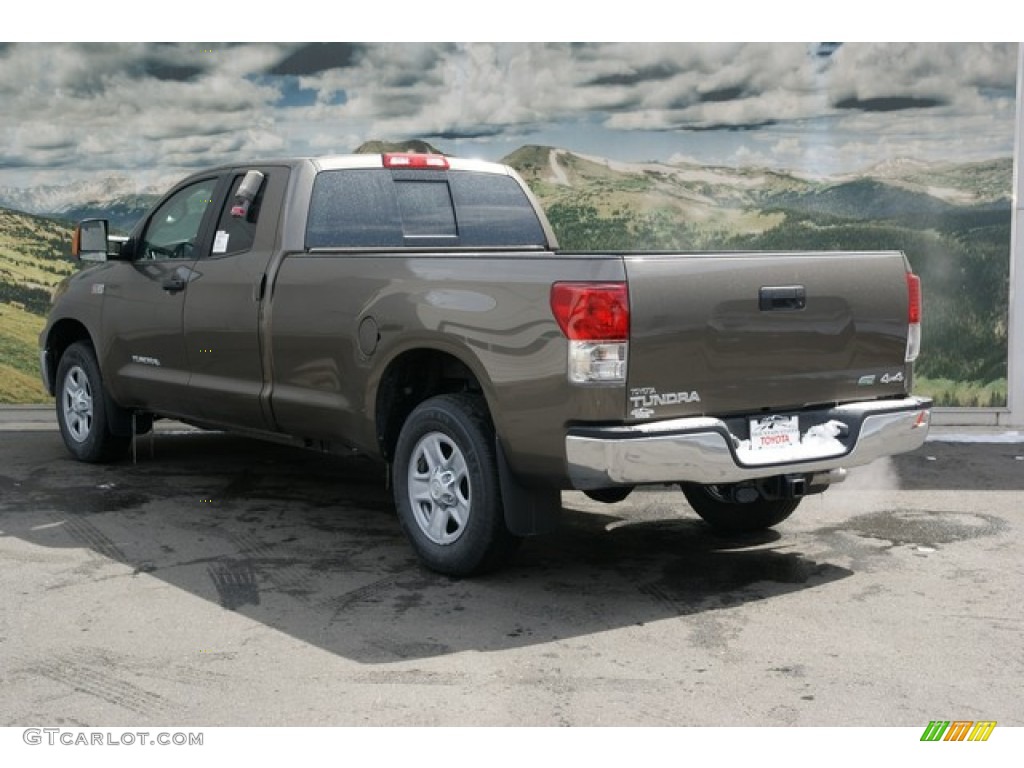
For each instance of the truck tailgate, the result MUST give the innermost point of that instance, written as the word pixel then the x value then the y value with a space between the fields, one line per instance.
pixel 731 333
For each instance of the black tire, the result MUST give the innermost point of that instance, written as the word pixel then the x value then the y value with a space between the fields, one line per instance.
pixel 713 504
pixel 446 487
pixel 83 407
pixel 611 495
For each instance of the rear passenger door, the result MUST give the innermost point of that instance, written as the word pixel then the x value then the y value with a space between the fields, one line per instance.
pixel 223 308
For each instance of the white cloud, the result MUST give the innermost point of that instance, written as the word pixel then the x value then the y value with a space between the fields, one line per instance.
pixel 142 106
pixel 952 72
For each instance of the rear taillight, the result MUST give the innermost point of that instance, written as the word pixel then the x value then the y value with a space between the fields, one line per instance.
pixel 595 319
pixel 914 296
pixel 913 317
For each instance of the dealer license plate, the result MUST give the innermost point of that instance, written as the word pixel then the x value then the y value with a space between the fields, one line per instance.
pixel 774 432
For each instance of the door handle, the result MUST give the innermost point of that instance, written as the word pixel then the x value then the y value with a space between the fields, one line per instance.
pixel 782 298
pixel 173 284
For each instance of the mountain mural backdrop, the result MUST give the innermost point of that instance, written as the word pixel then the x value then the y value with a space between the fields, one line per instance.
pixel 952 221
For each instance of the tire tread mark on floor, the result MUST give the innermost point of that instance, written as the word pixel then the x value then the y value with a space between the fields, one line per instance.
pixel 665 598
pixel 100 681
pixel 409 677
pixel 183 675
pixel 294 580
pixel 85 532
pixel 235 582
pixel 362 594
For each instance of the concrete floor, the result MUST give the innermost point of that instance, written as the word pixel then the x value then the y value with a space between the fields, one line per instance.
pixel 227 582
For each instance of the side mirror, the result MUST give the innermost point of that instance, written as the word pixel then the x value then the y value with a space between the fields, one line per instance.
pixel 89 241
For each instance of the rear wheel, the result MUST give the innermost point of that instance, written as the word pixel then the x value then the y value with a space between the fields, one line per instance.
pixel 446 487
pixel 729 512
pixel 82 407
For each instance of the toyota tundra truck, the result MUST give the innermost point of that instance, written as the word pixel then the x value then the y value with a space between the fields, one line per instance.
pixel 417 309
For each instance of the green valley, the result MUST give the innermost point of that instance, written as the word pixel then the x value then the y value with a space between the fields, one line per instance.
pixel 34 257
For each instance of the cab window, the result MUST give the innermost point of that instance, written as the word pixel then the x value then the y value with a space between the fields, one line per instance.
pixel 236 227
pixel 353 208
pixel 174 227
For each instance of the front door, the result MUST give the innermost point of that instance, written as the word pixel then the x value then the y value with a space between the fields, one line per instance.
pixel 144 301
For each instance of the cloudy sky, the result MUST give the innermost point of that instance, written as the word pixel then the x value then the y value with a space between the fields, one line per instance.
pixel 156 111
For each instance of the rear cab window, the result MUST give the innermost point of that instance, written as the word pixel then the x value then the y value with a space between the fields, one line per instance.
pixel 387 208
pixel 236 227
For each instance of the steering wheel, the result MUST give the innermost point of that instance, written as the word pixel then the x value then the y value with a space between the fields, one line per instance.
pixel 183 250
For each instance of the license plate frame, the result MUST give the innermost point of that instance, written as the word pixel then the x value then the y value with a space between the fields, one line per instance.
pixel 774 433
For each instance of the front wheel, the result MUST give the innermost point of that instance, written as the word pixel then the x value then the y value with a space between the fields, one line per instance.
pixel 728 512
pixel 446 487
pixel 82 407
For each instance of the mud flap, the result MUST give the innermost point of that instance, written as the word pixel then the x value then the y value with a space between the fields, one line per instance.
pixel 529 510
pixel 119 420
pixel 126 423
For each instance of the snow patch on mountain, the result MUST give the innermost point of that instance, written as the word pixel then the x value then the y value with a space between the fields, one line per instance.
pixel 54 199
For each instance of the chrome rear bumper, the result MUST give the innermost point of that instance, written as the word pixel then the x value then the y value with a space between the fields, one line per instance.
pixel 704 450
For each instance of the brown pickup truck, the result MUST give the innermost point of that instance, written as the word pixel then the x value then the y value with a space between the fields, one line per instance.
pixel 416 308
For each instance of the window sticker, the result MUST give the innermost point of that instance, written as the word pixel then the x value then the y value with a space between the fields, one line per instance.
pixel 220 242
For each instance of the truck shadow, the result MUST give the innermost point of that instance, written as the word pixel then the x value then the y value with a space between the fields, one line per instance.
pixel 309 545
